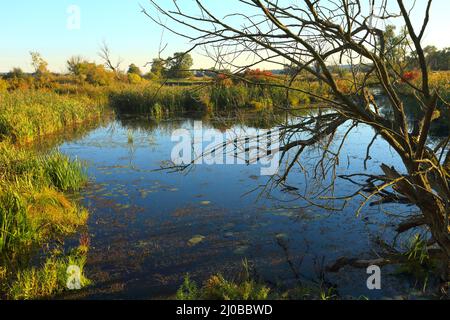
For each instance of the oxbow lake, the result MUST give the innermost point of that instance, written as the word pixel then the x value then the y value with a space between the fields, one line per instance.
pixel 150 227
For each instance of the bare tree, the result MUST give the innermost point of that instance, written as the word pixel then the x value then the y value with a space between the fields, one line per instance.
pixel 311 36
pixel 105 55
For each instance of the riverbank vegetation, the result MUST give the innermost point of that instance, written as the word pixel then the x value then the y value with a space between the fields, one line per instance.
pixel 246 286
pixel 35 203
pixel 34 210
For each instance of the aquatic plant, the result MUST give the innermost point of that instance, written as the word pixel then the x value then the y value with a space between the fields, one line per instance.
pixel 419 265
pixel 218 288
pixel 64 173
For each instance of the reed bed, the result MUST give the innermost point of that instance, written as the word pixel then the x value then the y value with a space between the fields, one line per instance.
pixel 34 204
pixel 25 115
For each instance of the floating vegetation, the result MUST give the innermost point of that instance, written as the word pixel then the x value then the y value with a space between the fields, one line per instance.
pixel 241 250
pixel 195 240
pixel 144 193
pixel 281 236
pixel 229 235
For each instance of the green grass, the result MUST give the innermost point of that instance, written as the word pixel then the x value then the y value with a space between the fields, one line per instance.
pixel 245 287
pixel 155 99
pixel 48 280
pixel 158 100
pixel 25 115
pixel 419 265
pixel 34 208
pixel 218 288
pixel 33 211
pixel 14 223
pixel 32 205
pixel 64 173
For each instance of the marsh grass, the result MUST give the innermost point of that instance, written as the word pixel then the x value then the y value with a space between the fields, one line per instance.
pixel 34 208
pixel 64 173
pixel 156 100
pixel 48 280
pixel 419 265
pixel 130 137
pixel 32 205
pixel 14 223
pixel 245 286
pixel 25 115
pixel 218 288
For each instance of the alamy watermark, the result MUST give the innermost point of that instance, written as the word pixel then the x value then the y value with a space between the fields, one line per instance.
pixel 73 277
pixel 234 146
pixel 73 18
pixel 374 280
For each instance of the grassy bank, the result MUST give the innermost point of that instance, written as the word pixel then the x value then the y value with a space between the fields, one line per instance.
pixel 35 208
pixel 25 115
pixel 246 287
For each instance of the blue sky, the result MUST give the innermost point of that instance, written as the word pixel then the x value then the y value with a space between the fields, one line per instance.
pixel 42 26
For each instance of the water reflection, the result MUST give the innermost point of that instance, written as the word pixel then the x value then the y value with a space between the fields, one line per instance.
pixel 149 228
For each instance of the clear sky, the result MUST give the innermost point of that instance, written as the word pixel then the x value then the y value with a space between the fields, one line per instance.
pixel 43 26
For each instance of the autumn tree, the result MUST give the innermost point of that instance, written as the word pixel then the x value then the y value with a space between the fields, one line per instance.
pixel 89 72
pixel 38 63
pixel 41 73
pixel 74 65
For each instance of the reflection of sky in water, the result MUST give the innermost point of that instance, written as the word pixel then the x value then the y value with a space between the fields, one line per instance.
pixel 142 220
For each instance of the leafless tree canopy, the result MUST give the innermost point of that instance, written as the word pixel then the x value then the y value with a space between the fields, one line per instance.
pixel 105 55
pixel 311 36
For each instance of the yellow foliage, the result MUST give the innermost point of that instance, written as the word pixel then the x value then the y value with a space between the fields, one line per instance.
pixel 134 78
pixel 4 85
pixel 51 208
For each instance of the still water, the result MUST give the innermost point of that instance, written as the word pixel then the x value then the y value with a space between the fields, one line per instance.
pixel 150 227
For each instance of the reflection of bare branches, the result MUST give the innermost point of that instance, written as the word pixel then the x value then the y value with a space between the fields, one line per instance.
pixel 295 270
pixel 319 279
pixel 307 36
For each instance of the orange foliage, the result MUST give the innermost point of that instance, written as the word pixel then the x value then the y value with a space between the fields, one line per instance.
pixel 411 75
